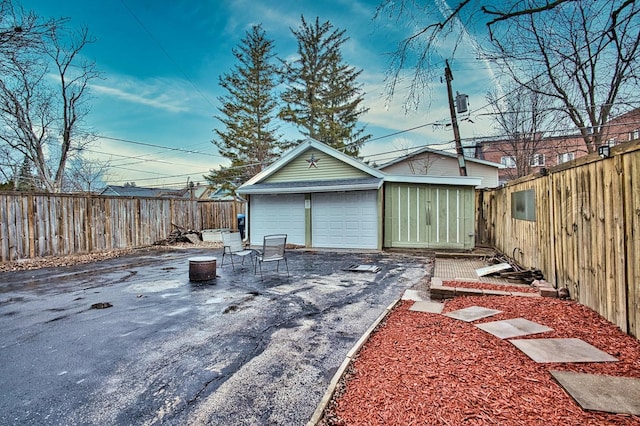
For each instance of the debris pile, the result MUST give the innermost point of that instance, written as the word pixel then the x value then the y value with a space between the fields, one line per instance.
pixel 180 235
pixel 504 267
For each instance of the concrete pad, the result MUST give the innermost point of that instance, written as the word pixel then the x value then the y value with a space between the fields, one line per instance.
pixel 472 313
pixel 426 306
pixel 561 350
pixel 513 328
pixel 412 295
pixel 620 395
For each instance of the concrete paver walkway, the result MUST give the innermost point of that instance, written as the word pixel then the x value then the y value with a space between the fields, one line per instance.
pixel 611 394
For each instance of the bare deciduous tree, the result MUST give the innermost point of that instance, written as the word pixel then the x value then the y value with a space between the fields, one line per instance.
pixel 20 30
pixel 42 102
pixel 583 54
pixel 9 166
pixel 421 162
pixel 75 74
pixel 522 117
pixel 85 175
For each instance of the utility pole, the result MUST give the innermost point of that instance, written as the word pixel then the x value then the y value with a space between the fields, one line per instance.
pixel 454 122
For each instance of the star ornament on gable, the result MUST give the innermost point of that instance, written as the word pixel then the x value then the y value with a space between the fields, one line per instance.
pixel 313 162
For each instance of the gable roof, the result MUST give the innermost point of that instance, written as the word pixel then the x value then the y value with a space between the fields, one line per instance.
pixel 258 183
pixel 312 186
pixel 438 152
pixel 224 194
pixel 140 191
pixel 293 153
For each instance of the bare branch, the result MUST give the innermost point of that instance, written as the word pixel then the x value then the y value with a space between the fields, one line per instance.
pixel 32 109
pixel 503 16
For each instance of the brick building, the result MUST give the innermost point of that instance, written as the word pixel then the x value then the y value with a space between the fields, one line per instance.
pixel 527 156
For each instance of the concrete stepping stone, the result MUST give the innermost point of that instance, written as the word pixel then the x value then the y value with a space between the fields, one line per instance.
pixel 620 395
pixel 412 295
pixel 561 350
pixel 516 327
pixel 472 313
pixel 427 306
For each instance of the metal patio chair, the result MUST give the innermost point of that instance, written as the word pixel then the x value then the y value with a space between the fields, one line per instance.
pixel 273 250
pixel 232 242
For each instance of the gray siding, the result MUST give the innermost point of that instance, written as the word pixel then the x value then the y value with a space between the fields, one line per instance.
pixel 437 165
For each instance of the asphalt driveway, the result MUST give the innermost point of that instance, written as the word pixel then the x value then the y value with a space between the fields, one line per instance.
pixel 235 351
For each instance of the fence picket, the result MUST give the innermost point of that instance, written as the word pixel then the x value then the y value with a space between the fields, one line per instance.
pixel 38 225
pixel 587 230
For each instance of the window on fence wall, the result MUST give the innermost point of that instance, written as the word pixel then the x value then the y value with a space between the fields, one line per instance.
pixel 523 205
pixel 537 160
pixel 508 161
pixel 567 156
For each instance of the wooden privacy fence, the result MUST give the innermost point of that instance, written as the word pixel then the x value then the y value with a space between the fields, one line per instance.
pixel 586 230
pixel 37 225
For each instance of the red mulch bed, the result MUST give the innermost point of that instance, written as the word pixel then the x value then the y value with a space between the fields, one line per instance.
pixel 420 368
pixel 489 286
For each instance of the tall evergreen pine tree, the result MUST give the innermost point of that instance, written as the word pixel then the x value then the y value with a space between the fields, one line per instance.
pixel 249 138
pixel 322 96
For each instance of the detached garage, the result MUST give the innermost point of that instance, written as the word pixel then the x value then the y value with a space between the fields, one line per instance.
pixel 319 197
pixel 323 198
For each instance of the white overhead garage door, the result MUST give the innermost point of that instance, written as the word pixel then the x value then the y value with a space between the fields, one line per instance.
pixel 277 214
pixel 345 219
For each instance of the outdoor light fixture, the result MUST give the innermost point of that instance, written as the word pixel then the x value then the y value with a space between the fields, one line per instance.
pixel 604 151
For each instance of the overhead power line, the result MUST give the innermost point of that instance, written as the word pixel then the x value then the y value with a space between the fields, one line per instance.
pixel 170 148
pixel 161 47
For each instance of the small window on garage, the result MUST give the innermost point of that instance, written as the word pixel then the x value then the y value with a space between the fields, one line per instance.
pixel 523 205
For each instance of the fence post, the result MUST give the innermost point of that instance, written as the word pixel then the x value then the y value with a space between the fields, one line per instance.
pixel 551 224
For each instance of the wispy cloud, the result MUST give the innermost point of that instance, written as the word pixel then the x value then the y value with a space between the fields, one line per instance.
pixel 172 95
pixel 275 18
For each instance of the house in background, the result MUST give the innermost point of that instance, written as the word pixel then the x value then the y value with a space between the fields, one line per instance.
pixel 196 191
pixel 520 158
pixel 223 194
pixel 432 162
pixel 526 157
pixel 623 128
pixel 139 191
pixel 323 198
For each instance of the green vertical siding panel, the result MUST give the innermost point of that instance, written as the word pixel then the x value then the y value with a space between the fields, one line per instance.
pixel 427 216
pixel 443 211
pixel 403 201
pixel 389 215
pixel 413 194
pixel 380 215
pixel 469 219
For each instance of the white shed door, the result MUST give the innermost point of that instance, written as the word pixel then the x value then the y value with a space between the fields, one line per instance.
pixel 345 219
pixel 277 214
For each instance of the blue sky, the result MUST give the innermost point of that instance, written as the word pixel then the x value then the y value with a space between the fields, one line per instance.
pixel 161 61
